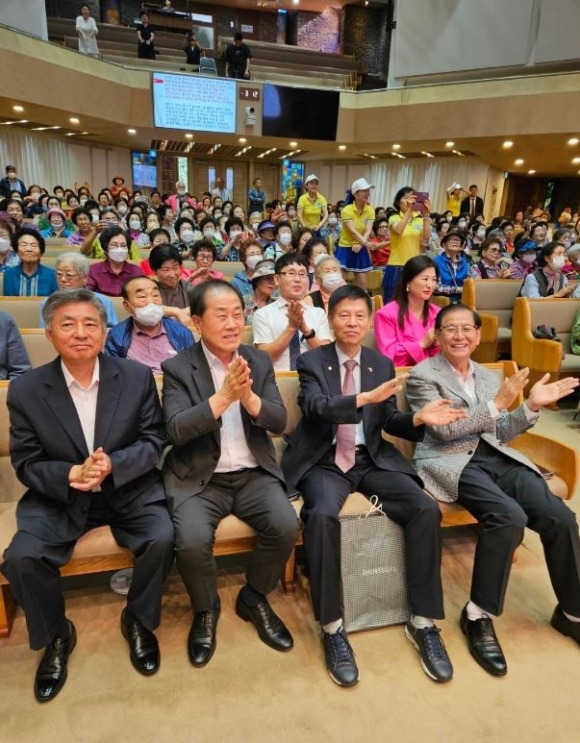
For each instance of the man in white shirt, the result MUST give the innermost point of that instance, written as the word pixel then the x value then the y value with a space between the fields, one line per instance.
pixel 220 190
pixel 288 327
pixel 86 434
pixel 220 399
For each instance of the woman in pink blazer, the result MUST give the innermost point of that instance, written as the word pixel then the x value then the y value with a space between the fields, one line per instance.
pixel 404 328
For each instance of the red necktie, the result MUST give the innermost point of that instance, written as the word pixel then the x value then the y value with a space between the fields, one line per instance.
pixel 346 434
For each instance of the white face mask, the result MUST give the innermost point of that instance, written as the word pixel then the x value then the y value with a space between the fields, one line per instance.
pixel 95 218
pixel 209 233
pixel 4 244
pixel 234 234
pixel 134 224
pixel 57 224
pixel 285 238
pixel 331 281
pixel 150 315
pixel 558 262
pixel 181 192
pixel 461 224
pixel 255 226
pixel 83 200
pixel 481 233
pixel 122 209
pixel 187 236
pixel 252 261
pixel 118 254
pixel 332 221
pixel 566 243
pixel 528 257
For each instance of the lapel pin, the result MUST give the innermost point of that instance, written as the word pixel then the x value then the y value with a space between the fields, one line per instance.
pixel 370 369
pixel 330 368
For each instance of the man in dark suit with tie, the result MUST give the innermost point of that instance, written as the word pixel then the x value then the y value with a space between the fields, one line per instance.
pixel 347 400
pixel 220 400
pixel 472 204
pixel 86 434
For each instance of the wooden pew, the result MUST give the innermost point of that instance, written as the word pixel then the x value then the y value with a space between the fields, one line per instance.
pixel 493 297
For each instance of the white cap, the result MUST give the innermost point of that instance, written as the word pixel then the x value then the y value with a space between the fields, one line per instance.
pixel 311 177
pixel 454 187
pixel 361 184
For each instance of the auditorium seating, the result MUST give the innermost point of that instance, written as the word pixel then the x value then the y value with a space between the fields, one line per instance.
pixel 97 552
pixel 493 297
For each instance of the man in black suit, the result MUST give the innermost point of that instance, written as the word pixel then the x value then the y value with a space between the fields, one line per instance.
pixel 472 204
pixel 325 471
pixel 86 433
pixel 220 400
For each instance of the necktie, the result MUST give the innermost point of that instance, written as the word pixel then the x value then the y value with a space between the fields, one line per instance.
pixel 472 207
pixel 346 433
pixel 294 348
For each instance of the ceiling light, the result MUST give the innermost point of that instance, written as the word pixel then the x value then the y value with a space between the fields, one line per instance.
pixel 519 161
pixel 73 120
pixel 531 172
pixel 576 160
pixel 396 146
pixel 507 144
pixel 427 154
pixel 572 141
pixel 189 136
pixel 18 109
pixel 293 144
pixel 242 140
pixel 342 147
pixel 132 131
pixel 449 145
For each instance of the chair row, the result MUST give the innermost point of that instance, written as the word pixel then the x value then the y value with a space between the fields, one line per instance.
pixel 97 551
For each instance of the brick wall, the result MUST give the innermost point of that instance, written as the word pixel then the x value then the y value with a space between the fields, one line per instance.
pixel 319 31
pixel 366 36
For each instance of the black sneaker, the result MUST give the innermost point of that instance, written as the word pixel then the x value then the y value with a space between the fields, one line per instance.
pixel 339 657
pixel 434 659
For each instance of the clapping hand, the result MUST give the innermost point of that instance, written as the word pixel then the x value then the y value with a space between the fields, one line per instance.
pixel 511 388
pixel 438 413
pixel 91 473
pixel 545 392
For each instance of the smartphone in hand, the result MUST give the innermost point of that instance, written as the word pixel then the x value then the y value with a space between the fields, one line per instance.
pixel 419 204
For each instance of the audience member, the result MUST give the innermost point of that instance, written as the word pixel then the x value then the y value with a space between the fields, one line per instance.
pixel 221 401
pixel 204 254
pixel 282 242
pixel 31 202
pixel 138 236
pixel 8 256
pixel 548 280
pixel 87 30
pixel 109 276
pixel 303 235
pixel 357 220
pixel 166 262
pixel 13 208
pixel 80 475
pixel 234 229
pixel 524 258
pixel 472 205
pixel 338 448
pixel 469 462
pixel 237 56
pixel 250 255
pixel 256 197
pixel 290 326
pixel 404 328
pixel 452 265
pixel 330 233
pixel 187 234
pixel 380 244
pixel 313 249
pixel 29 278
pixel 220 189
pixel 327 278
pixel 263 287
pixel 58 228
pixel 265 231
pixel 145 38
pixel 572 267
pixel 157 237
pixel 312 208
pixel 492 263
pixel 11 182
pixel 454 201
pixel 14 359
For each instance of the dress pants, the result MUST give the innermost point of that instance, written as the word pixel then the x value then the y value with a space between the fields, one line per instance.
pixel 32 567
pixel 254 496
pixel 505 497
pixel 325 488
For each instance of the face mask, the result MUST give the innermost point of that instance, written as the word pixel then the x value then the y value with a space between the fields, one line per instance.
pixel 209 233
pixel 122 209
pixel 566 243
pixel 35 196
pixel 292 214
pixel 255 226
pixel 187 236
pixel 461 225
pixel 217 215
pixel 83 200
pixel 558 262
pixel 528 257
pixel 181 192
pixel 285 238
pixel 4 244
pixel 481 233
pixel 134 224
pixel 57 225
pixel 253 261
pixel 118 254
pixel 331 281
pixel 332 221
pixel 150 315
pixel 234 234
pixel 95 218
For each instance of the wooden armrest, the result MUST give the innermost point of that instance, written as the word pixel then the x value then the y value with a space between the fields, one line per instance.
pixel 489 326
pixel 551 455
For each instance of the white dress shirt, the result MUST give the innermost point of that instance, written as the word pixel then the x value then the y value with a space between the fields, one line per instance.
pixel 342 357
pixel 235 452
pixel 85 402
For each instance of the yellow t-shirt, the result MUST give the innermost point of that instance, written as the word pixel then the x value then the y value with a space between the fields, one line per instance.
pixel 311 210
pixel 359 219
pixel 453 205
pixel 407 245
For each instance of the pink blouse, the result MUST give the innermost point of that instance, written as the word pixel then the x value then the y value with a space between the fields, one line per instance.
pixel 402 345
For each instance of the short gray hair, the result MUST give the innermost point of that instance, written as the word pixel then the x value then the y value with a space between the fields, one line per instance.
pixel 320 263
pixel 78 260
pixel 72 296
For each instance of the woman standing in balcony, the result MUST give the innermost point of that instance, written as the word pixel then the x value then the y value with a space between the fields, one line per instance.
pixel 145 35
pixel 87 31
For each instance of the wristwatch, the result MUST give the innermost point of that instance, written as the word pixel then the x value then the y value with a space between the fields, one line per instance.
pixel 310 335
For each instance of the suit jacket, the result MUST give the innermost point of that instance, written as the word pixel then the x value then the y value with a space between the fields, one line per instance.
pixel 195 433
pixel 465 205
pixel 324 407
pixel 446 450
pixel 46 439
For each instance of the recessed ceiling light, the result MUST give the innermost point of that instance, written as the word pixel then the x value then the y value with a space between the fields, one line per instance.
pixel 189 136
pixel 293 144
pixel 573 141
pixel 73 120
pixel 531 172
pixel 342 147
pixel 449 144
pixel 396 146
pixel 132 131
pixel 19 109
pixel 576 160
pixel 242 140
pixel 519 161
pixel 507 144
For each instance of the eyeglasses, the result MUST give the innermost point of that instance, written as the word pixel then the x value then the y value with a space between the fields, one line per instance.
pixel 455 329
pixel 205 256
pixel 67 276
pixel 294 274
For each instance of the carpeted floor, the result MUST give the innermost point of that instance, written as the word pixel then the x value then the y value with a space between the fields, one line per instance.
pixel 250 693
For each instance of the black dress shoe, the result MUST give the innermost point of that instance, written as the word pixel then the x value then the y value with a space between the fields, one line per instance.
pixel 270 627
pixel 565 626
pixel 202 637
pixel 144 648
pixel 339 657
pixel 52 671
pixel 483 644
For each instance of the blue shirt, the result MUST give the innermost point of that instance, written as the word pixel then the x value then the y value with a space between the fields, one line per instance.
pixel 42 283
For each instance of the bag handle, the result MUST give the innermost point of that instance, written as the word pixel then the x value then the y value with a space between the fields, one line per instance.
pixel 375 507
